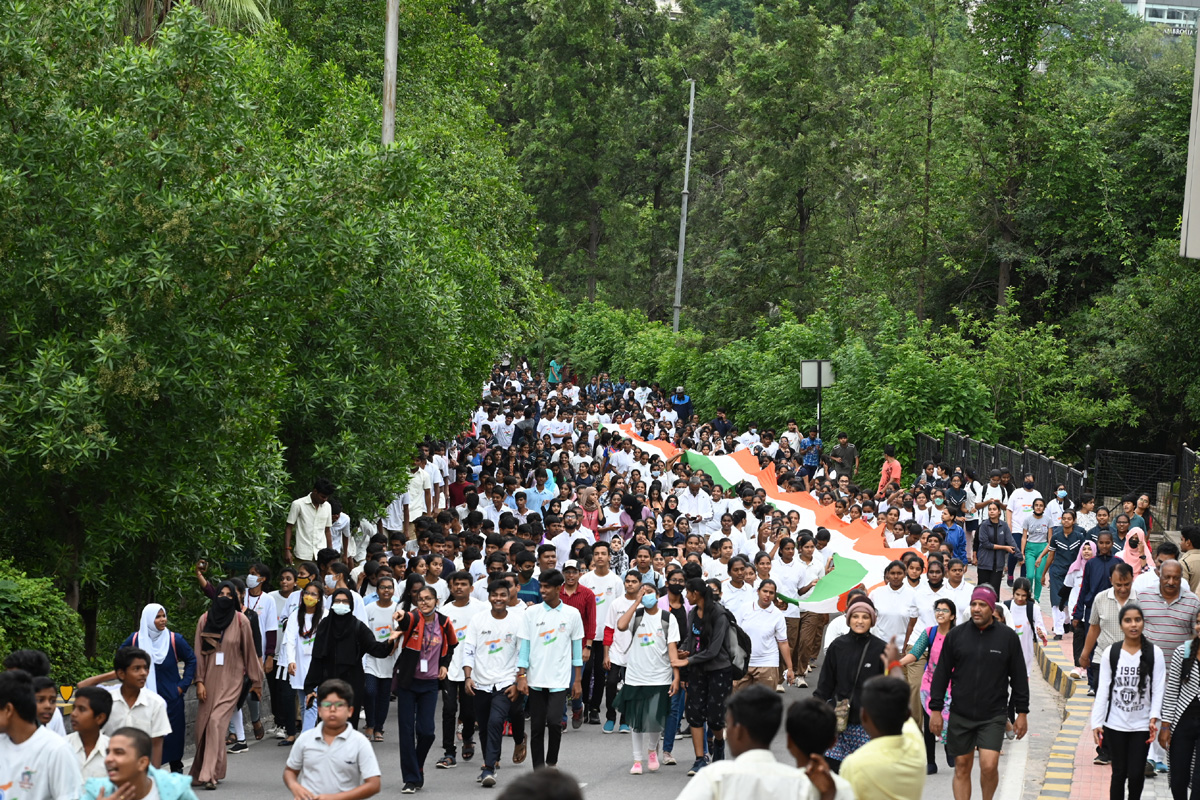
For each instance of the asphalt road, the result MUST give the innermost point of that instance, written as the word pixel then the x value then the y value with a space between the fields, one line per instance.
pixel 601 764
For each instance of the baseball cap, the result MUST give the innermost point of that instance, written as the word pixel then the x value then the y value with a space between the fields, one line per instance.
pixel 679 388
pixel 571 564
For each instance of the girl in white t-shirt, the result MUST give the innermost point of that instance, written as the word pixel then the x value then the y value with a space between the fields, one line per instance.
pixel 1129 702
pixel 650 680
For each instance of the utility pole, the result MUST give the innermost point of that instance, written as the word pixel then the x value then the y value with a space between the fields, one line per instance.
pixel 687 166
pixel 391 34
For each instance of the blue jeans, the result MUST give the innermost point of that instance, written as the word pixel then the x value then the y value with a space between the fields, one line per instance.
pixel 377 701
pixel 415 706
pixel 308 715
pixel 674 716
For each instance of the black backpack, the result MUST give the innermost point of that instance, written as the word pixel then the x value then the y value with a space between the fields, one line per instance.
pixel 737 642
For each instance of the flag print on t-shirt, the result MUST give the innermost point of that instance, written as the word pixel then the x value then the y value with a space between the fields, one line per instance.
pixel 550 636
pixel 645 638
pixel 497 645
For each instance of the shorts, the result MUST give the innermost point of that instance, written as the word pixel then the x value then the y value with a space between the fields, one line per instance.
pixel 810 470
pixel 964 735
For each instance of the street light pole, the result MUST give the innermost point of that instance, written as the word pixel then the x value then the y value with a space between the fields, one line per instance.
pixel 391 35
pixel 687 166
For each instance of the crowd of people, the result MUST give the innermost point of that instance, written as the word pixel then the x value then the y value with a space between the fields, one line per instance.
pixel 540 574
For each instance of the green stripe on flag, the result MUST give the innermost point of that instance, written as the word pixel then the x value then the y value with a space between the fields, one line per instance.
pixel 702 462
pixel 845 576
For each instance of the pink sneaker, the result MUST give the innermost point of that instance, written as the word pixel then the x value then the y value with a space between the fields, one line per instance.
pixel 636 769
pixel 652 761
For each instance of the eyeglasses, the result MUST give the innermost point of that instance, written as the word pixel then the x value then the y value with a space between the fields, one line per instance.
pixel 941 611
pixel 328 704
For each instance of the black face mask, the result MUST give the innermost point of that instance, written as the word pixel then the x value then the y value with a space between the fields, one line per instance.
pixel 674 588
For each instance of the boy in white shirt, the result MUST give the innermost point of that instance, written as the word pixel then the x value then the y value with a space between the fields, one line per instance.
pixel 550 664
pixel 42 760
pixel 490 673
pixel 93 705
pixel 332 758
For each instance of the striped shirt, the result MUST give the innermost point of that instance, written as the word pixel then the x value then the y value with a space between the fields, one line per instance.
pixel 1106 612
pixel 1179 695
pixel 1169 624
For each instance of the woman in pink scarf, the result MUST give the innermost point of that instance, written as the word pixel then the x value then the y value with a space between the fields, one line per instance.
pixel 1074 580
pixel 1134 553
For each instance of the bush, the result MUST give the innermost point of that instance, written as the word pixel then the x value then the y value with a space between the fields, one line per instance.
pixel 34 615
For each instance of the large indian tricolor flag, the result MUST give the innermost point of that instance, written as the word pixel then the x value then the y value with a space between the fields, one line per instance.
pixel 858 550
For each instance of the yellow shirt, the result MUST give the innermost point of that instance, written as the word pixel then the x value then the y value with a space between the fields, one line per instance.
pixel 888 768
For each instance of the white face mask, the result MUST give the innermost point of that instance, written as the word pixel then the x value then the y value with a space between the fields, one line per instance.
pixel 330 582
pixel 252 581
pixel 341 608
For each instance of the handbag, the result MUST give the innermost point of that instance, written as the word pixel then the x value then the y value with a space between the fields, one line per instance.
pixel 842 709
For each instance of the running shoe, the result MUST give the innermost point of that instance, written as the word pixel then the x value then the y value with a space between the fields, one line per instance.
pixel 487 780
pixel 577 719
pixel 636 769
pixel 668 760
pixel 652 761
pixel 409 788
pixel 626 729
pixel 699 764
pixel 237 748
pixel 609 727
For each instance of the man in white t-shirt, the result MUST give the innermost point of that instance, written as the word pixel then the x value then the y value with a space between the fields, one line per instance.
pixel 1020 506
pixel 617 646
pixel 490 672
pixel 419 495
pixel 34 763
pixel 550 666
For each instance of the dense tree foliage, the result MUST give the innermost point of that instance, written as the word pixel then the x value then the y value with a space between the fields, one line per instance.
pixel 1008 163
pixel 219 287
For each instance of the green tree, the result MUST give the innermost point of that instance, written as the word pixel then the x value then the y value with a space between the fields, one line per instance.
pixel 219 288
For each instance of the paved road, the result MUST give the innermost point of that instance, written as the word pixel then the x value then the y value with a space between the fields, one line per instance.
pixel 601 763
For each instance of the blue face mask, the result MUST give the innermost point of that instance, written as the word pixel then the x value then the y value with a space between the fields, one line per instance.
pixel 1062 493
pixel 649 601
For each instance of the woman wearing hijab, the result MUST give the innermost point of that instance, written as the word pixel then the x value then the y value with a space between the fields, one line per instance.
pixel 1135 553
pixel 225 655
pixel 166 649
pixel 635 511
pixel 342 641
pixel 1072 584
pixel 589 508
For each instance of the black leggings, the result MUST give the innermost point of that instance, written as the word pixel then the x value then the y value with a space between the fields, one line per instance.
pixel 1185 763
pixel 991 577
pixel 1128 751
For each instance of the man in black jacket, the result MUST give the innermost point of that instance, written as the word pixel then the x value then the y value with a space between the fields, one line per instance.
pixel 983 660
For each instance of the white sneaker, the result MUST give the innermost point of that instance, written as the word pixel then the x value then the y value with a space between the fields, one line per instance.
pixel 779 688
pixel 280 733
pixel 801 683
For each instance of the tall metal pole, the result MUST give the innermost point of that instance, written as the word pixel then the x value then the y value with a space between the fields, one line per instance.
pixel 391 34
pixel 687 167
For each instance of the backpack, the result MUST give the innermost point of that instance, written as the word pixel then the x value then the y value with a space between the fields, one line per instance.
pixel 737 642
